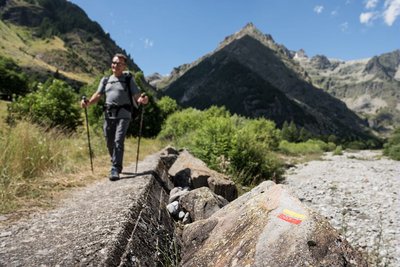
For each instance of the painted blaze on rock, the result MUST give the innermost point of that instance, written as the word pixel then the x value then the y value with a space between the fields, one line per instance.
pixel 266 227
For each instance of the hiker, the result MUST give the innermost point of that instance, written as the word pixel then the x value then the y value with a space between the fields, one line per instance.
pixel 117 109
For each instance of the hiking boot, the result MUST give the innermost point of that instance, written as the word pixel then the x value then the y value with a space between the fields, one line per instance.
pixel 114 175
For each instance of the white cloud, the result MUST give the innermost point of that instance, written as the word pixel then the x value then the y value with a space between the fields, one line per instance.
pixel 318 9
pixel 148 43
pixel 368 17
pixel 344 26
pixel 391 12
pixel 371 4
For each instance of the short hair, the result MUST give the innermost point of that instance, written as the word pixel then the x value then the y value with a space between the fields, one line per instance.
pixel 119 55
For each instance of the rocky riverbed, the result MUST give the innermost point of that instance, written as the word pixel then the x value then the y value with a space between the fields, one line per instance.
pixel 358 192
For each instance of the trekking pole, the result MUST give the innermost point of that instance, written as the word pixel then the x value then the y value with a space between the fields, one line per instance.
pixel 88 134
pixel 140 135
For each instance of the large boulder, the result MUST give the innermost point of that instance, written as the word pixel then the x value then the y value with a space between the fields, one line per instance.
pixel 267 226
pixel 188 171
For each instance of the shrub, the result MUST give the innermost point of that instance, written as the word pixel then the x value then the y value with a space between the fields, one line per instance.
pixel 264 132
pixel 393 152
pixel 356 145
pixel 180 124
pixel 54 104
pixel 251 161
pixel 212 140
pixel 167 107
pixel 338 151
pixel 226 143
pixel 392 147
pixel 312 146
pixel 12 80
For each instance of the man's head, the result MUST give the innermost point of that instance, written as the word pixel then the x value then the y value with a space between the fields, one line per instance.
pixel 118 64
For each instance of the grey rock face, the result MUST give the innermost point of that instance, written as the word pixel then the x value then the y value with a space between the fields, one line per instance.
pixel 369 87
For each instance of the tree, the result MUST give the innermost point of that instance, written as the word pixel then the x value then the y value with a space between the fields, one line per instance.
pixel 304 135
pixel 289 132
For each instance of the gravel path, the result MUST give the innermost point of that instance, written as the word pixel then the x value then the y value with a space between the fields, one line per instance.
pixel 358 192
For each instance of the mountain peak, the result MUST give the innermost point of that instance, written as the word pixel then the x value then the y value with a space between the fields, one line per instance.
pixel 251 30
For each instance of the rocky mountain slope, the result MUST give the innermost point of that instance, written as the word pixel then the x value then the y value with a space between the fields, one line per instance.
pixel 48 37
pixel 255 77
pixel 370 87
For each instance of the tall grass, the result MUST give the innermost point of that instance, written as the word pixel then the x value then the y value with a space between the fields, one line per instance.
pixel 28 153
pixel 37 163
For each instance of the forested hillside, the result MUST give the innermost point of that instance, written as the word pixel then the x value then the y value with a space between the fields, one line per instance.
pixel 55 38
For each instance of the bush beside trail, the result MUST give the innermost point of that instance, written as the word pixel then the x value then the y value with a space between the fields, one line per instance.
pixel 53 104
pixel 244 148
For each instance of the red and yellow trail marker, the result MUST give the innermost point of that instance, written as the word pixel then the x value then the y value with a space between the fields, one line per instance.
pixel 291 216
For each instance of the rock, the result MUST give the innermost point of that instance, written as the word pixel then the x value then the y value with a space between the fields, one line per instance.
pixel 169 156
pixel 190 171
pixel 176 194
pixel 200 177
pixel 182 178
pixel 187 218
pixel 173 208
pixel 266 225
pixel 181 171
pixel 201 203
pixel 222 186
pixel 181 215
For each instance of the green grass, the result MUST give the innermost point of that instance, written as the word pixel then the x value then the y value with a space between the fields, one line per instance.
pixel 3 113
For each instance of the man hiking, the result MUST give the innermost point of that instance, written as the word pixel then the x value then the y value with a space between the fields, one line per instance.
pixel 120 93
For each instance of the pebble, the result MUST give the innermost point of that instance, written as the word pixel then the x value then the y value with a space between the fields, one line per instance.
pixel 358 193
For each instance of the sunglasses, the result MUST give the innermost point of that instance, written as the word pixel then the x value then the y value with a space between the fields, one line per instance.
pixel 117 63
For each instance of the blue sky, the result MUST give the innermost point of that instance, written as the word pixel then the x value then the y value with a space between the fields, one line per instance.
pixel 163 34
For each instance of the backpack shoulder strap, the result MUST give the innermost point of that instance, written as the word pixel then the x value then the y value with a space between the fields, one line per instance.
pixel 128 77
pixel 105 80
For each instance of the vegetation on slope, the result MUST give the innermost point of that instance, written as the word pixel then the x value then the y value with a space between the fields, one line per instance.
pixel 55 38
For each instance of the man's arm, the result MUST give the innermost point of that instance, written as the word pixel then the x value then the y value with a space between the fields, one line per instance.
pixel 94 99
